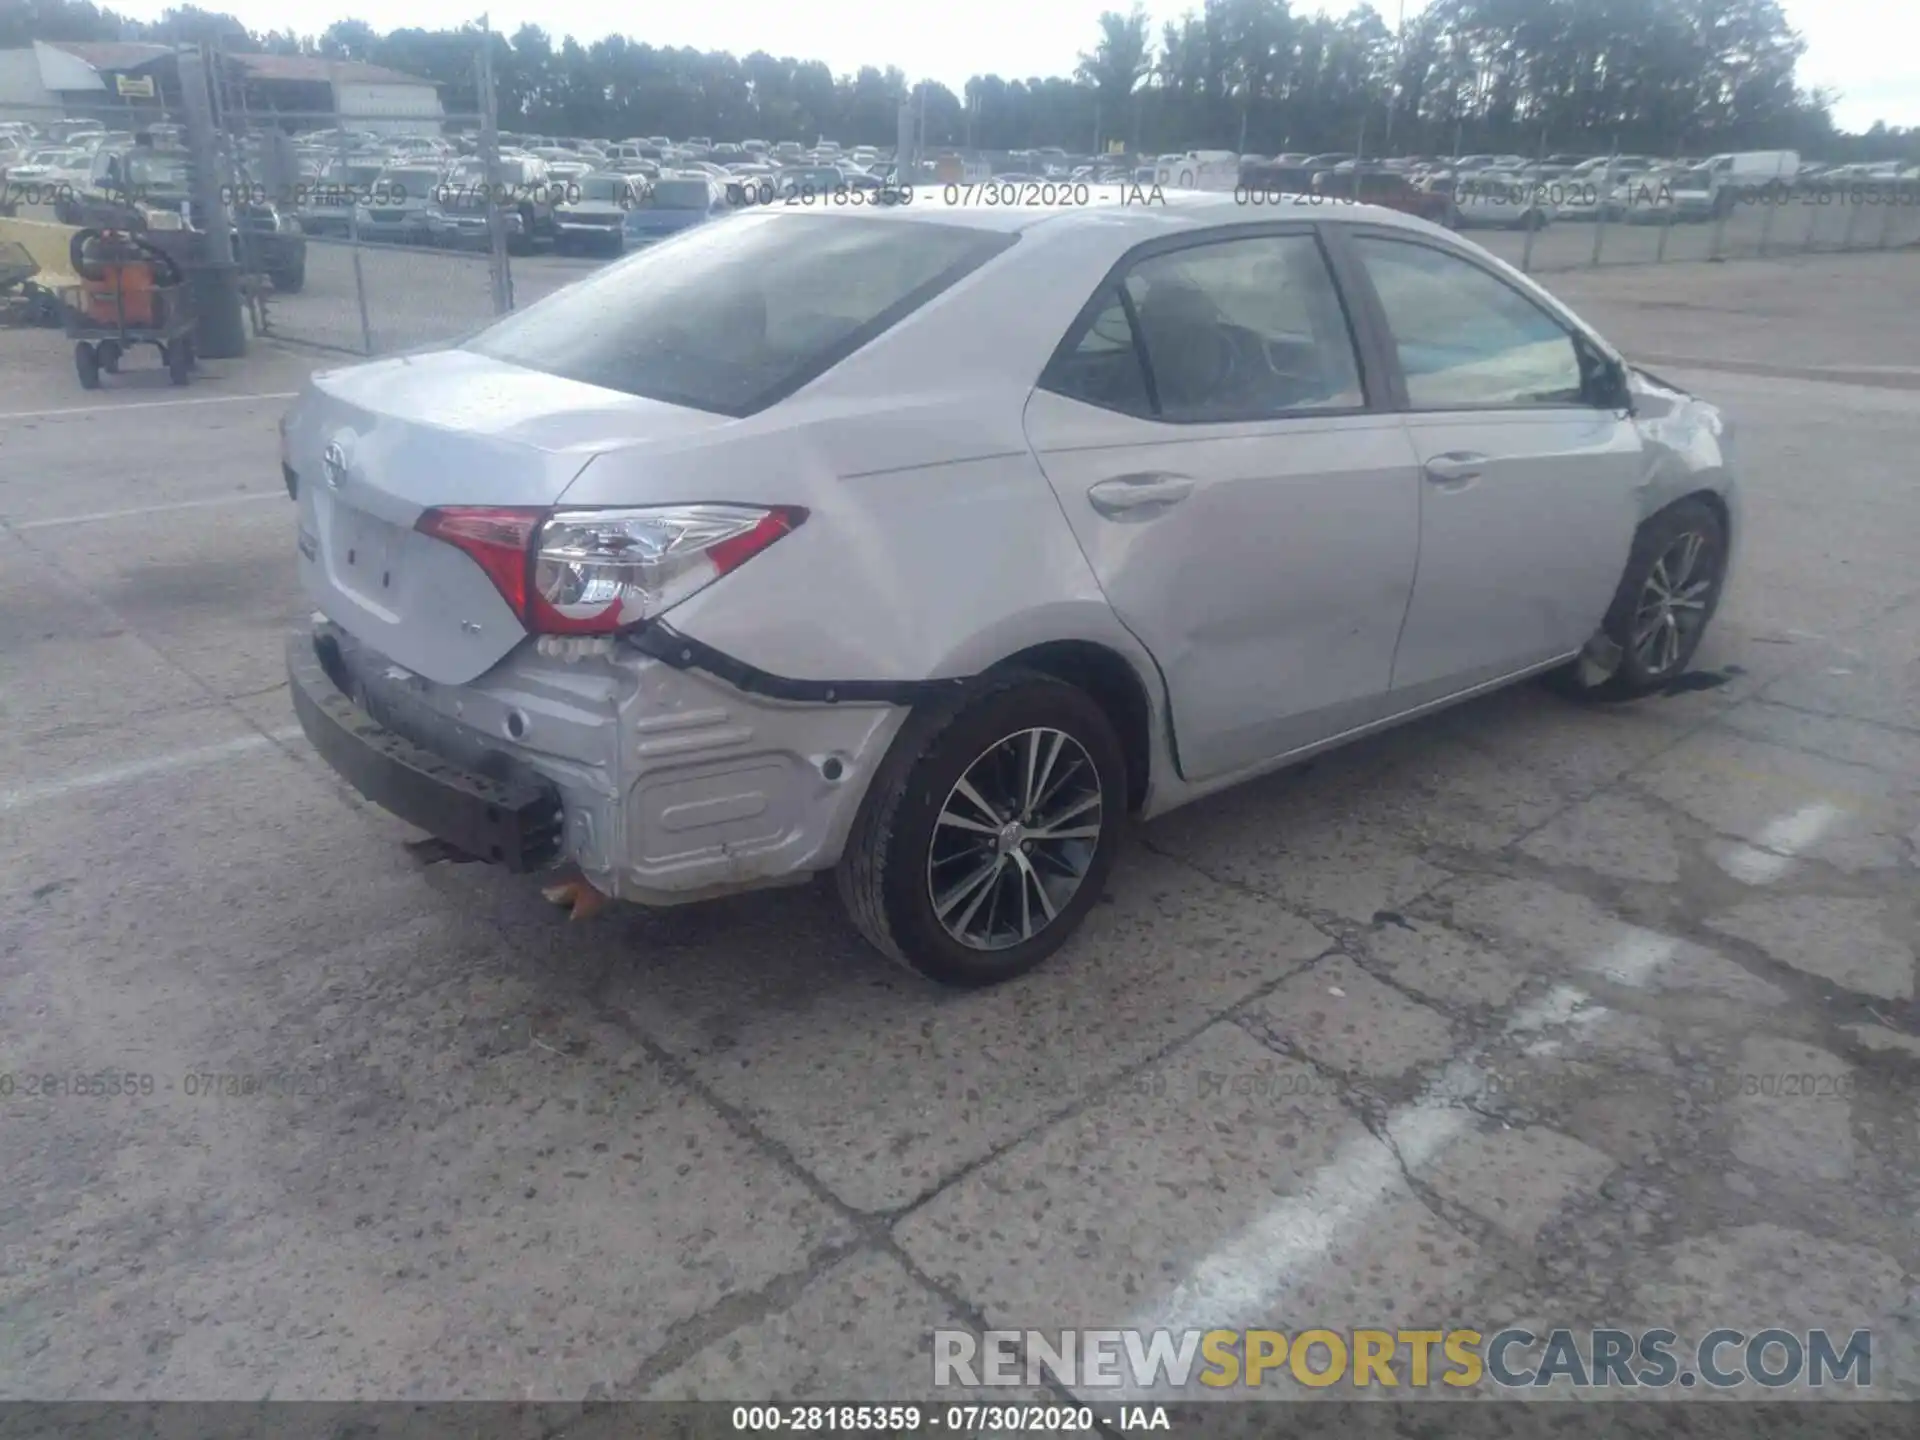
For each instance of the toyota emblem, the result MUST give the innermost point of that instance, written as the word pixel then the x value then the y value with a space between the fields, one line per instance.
pixel 334 461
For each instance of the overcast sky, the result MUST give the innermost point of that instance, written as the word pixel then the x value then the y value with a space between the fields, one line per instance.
pixel 1866 49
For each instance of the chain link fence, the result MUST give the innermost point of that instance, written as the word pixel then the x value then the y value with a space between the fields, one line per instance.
pixel 347 239
pixel 352 237
pixel 1746 221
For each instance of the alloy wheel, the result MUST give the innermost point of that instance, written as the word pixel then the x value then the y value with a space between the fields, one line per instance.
pixel 1673 604
pixel 1014 839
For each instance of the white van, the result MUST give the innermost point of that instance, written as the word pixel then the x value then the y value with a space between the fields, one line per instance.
pixel 1714 186
pixel 1199 170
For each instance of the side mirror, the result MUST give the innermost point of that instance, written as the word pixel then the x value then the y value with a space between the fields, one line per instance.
pixel 1616 386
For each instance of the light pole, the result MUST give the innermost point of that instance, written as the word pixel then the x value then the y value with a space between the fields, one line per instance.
pixel 1393 91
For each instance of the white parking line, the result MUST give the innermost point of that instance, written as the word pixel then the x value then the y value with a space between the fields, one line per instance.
pixel 144 405
pixel 92 515
pixel 1777 846
pixel 141 769
pixel 1255 1274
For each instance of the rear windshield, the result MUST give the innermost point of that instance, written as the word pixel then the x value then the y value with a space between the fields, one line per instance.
pixel 733 317
pixel 678 195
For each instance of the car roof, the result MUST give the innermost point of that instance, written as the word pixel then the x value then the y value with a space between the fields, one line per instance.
pixel 1105 208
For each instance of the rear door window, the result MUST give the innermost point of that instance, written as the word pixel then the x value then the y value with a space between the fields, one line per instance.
pixel 1102 366
pixel 1223 330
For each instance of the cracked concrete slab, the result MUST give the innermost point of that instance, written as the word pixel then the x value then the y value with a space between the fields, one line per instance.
pixel 1756 1277
pixel 1539 922
pixel 886 1086
pixel 1848 941
pixel 1102 1142
pixel 1612 834
pixel 1792 1109
pixel 1879 1037
pixel 1744 787
pixel 1349 867
pixel 1517 1180
pixel 1052 1233
pixel 863 1326
pixel 1342 1018
pixel 1439 963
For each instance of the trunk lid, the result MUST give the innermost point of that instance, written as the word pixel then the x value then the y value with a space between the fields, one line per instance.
pixel 377 445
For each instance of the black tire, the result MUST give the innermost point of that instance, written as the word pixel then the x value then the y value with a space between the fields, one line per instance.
pixel 884 873
pixel 86 363
pixel 1634 676
pixel 179 356
pixel 108 355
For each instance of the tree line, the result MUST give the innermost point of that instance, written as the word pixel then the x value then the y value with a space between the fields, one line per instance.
pixel 1522 76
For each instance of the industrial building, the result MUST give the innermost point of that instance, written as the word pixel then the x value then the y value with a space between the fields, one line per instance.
pixel 129 84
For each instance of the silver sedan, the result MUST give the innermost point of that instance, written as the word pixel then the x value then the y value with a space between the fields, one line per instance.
pixel 923 544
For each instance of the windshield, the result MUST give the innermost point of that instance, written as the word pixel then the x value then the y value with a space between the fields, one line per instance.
pixel 731 318
pixel 601 188
pixel 679 195
pixel 153 171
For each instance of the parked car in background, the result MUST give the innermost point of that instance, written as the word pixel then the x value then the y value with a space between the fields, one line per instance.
pixel 1712 188
pixel 148 189
pixel 397 209
pixel 522 187
pixel 1648 198
pixel 808 182
pixel 674 203
pixel 1200 170
pixel 48 168
pixel 1492 200
pixel 327 207
pixel 593 217
pixel 1386 188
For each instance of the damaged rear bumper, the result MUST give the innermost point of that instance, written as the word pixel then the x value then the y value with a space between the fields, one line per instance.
pixel 515 823
pixel 661 781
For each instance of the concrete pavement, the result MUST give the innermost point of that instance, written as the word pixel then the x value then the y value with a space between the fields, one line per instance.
pixel 1525 1014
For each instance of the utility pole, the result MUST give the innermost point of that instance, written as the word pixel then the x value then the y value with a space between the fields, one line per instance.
pixel 1399 61
pixel 498 266
pixel 903 157
pixel 212 275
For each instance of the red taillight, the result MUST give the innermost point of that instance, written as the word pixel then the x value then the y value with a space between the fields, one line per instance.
pixel 597 572
pixel 731 554
pixel 499 538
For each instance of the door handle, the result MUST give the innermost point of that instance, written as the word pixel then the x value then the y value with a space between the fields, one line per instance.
pixel 1456 467
pixel 1133 492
